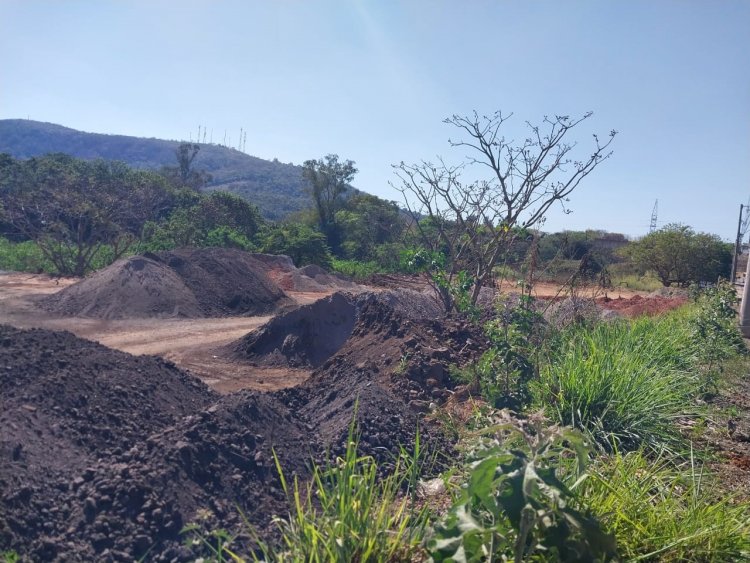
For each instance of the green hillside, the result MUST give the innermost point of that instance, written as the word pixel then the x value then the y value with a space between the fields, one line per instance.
pixel 276 188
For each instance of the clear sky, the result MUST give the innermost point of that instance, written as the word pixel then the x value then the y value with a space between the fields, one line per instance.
pixel 372 81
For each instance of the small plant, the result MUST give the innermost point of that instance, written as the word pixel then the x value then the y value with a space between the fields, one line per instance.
pixel 504 371
pixel 403 365
pixel 714 330
pixel 212 545
pixel 515 506
pixel 348 514
pixel 666 511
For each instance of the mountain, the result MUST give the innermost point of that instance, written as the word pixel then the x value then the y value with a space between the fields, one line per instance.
pixel 276 188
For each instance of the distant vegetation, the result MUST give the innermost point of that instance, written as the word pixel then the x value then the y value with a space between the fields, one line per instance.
pixel 277 189
pixel 71 215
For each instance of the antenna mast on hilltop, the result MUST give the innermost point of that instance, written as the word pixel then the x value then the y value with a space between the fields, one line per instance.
pixel 652 227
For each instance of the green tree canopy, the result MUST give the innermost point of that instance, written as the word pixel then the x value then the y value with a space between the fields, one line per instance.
pixel 302 243
pixel 679 255
pixel 328 181
pixel 73 208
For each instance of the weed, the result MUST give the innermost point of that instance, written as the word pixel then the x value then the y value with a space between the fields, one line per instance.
pixel 666 511
pixel 515 505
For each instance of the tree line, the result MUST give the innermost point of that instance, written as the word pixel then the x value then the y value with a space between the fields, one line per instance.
pixel 79 215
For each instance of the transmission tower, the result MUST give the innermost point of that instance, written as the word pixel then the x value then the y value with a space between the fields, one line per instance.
pixel 652 228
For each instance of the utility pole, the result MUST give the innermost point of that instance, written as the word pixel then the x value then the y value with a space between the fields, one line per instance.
pixel 737 247
pixel 745 306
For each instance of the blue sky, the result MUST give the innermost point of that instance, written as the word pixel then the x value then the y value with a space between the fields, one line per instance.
pixel 372 81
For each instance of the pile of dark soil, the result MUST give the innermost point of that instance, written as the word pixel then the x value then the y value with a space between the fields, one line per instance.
pixel 303 337
pixel 389 370
pixel 106 456
pixel 193 283
pixel 226 282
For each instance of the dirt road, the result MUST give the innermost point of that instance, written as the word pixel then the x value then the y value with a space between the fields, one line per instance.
pixel 193 344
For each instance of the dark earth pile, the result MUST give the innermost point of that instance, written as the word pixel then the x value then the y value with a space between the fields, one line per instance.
pixel 390 367
pixel 303 337
pixel 106 456
pixel 192 283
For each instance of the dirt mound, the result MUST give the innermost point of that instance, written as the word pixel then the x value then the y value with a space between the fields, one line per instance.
pixel 391 368
pixel 131 287
pixel 107 456
pixel 637 306
pixel 308 279
pixel 67 402
pixel 202 469
pixel 193 283
pixel 303 337
pixel 309 335
pixel 572 310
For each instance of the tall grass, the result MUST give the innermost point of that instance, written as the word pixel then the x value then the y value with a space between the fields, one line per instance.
pixel 660 511
pixel 624 382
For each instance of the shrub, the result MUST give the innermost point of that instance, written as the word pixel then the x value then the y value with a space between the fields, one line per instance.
pixel 23 257
pixel 624 382
pixel 355 269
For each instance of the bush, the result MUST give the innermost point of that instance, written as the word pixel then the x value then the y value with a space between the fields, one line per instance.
pixel 355 269
pixel 505 370
pixel 28 257
pixel 624 382
pixel 23 257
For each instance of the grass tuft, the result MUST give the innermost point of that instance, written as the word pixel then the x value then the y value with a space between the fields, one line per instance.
pixel 660 510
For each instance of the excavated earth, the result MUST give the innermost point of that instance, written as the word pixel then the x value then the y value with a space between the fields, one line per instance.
pixel 191 283
pixel 106 456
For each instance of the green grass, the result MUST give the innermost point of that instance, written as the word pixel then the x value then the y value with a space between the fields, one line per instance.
pixel 625 275
pixel 348 514
pixel 23 257
pixel 623 382
pixel 347 511
pixel 662 511
pixel 356 269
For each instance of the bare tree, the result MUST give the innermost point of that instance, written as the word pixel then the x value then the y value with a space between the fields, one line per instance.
pixel 475 222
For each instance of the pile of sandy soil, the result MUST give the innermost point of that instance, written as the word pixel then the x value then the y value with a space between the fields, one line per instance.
pixel 638 306
pixel 309 279
pixel 192 283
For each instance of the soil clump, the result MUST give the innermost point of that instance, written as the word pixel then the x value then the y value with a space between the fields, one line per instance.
pixel 191 283
pixel 638 306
